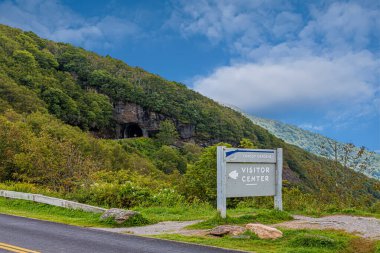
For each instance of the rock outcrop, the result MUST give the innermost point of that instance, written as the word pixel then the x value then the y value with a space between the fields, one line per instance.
pixel 227 230
pixel 135 121
pixel 264 232
pixel 119 215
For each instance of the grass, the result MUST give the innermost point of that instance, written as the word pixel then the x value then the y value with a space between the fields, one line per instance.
pixel 295 241
pixel 154 214
pixel 258 216
pixel 177 213
pixel 61 215
pixel 305 241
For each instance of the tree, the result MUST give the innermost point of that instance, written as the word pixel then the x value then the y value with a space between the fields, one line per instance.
pixel 61 105
pixel 200 178
pixel 246 143
pixel 168 133
pixel 348 155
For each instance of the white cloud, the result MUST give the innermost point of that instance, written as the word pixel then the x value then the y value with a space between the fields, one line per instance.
pixel 52 20
pixel 324 58
pixel 306 82
pixel 247 25
pixel 343 26
pixel 220 20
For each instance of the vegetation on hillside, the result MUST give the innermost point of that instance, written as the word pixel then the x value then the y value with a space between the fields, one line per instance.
pixel 54 97
pixel 356 158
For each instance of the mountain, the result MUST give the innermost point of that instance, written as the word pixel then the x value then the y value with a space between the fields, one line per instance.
pixel 320 145
pixel 69 119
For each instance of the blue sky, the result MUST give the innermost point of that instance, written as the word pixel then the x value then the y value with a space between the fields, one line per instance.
pixel 314 64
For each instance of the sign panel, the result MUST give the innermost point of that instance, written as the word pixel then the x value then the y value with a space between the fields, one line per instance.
pixel 245 179
pixel 248 172
pixel 234 155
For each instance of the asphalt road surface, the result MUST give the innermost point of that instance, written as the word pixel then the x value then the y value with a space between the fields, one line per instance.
pixel 23 235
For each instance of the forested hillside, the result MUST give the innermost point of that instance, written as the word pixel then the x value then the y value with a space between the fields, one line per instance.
pixel 57 106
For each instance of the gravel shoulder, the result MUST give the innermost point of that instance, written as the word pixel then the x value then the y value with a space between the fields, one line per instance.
pixel 165 227
pixel 367 227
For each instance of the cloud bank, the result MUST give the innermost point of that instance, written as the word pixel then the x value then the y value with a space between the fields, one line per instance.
pixel 291 57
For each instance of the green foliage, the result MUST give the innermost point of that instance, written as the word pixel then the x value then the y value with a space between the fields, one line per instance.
pixel 259 216
pixel 375 208
pixel 169 159
pixel 113 195
pixel 253 244
pixel 51 213
pixel 180 211
pixel 61 105
pixel 136 220
pixel 167 134
pixel 321 145
pixel 191 151
pixel 41 81
pixel 25 58
pixel 200 178
pixel 315 241
pixel 19 98
pixel 246 143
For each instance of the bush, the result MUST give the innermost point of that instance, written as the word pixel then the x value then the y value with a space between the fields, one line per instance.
pixel 375 208
pixel 113 195
pixel 168 159
pixel 167 133
pixel 200 179
pixel 166 197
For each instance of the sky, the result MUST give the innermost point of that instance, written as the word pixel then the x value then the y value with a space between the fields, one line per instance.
pixel 314 64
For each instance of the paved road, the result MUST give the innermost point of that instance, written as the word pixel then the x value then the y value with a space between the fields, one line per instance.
pixel 23 235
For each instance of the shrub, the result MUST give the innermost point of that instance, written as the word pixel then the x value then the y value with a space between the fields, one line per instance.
pixel 168 159
pixel 168 133
pixel 113 195
pixel 375 208
pixel 200 179
pixel 166 197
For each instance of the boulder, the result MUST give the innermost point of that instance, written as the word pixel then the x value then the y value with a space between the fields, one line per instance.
pixel 264 232
pixel 119 215
pixel 227 229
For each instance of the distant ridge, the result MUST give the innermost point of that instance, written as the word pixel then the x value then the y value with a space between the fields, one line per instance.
pixel 307 140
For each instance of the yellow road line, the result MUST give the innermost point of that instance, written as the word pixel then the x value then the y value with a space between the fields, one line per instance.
pixel 12 250
pixel 16 249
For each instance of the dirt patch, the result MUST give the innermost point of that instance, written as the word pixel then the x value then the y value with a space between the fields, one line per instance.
pixel 166 227
pixel 364 226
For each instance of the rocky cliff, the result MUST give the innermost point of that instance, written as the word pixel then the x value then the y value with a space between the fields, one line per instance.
pixel 132 120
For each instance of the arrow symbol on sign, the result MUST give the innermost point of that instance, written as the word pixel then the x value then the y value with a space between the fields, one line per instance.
pixel 233 174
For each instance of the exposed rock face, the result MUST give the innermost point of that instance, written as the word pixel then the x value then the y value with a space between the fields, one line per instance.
pixel 264 232
pixel 119 215
pixel 134 121
pixel 227 229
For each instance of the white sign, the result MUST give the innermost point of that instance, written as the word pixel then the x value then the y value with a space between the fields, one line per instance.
pixel 249 172
pixel 245 179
